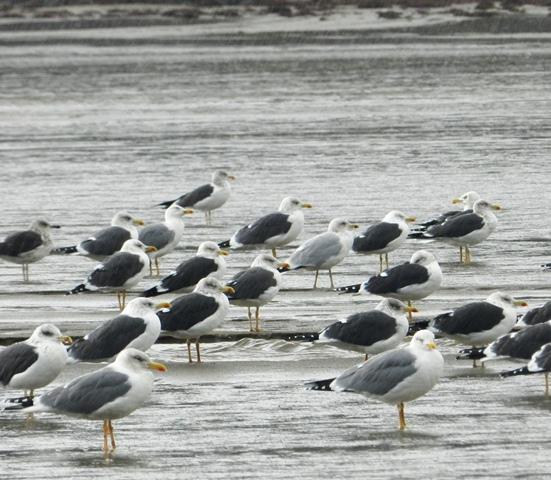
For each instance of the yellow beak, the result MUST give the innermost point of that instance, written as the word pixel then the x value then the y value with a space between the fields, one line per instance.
pixel 456 201
pixel 228 290
pixel 138 221
pixel 223 253
pixel 410 219
pixel 284 266
pixel 187 211
pixel 411 309
pixel 307 205
pixel 150 249
pixel 520 303
pixel 163 305
pixel 353 226
pixel 157 366
pixel 431 346
pixel 231 177
pixel 66 340
pixel 496 207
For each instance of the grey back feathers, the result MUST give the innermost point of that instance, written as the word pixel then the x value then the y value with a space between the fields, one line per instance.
pixel 16 359
pixel 378 376
pixel 87 393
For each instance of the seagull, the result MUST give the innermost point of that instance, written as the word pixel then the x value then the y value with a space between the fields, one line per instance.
pixel 384 236
pixel 107 394
pixel 479 323
pixel 197 313
pixel 395 376
pixel 536 315
pixel 467 200
pixel 370 332
pixel 540 362
pixel 107 241
pixel 208 197
pixel 325 250
pixel 35 362
pixel 273 230
pixel 28 246
pixel 256 286
pixel 137 326
pixel 467 229
pixel 208 261
pixel 165 236
pixel 518 345
pixel 412 280
pixel 120 272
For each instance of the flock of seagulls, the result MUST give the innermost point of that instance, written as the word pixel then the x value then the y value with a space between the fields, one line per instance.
pixel 391 372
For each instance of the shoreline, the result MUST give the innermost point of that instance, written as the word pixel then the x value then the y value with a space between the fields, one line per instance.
pixel 279 16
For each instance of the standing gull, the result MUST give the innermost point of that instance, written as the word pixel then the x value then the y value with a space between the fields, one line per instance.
pixel 107 241
pixel 28 246
pixel 208 197
pixel 273 230
pixel 384 236
pixel 121 271
pixel 413 280
pixel 467 199
pixel 165 236
pixel 137 326
pixel 256 286
pixel 370 332
pixel 396 376
pixel 324 251
pixel 540 362
pixel 35 362
pixel 479 323
pixel 107 394
pixel 208 261
pixel 197 313
pixel 466 230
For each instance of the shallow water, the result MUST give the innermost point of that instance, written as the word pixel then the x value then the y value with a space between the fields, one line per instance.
pixel 356 124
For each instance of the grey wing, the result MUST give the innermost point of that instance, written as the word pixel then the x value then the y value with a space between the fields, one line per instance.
pixel 379 375
pixel 251 283
pixel 20 243
pixel 376 236
pixel 106 241
pixel 316 251
pixel 87 393
pixel 116 270
pixel 457 226
pixel 188 273
pixel 264 228
pixel 108 339
pixel 191 198
pixel 364 328
pixel 158 235
pixel 16 359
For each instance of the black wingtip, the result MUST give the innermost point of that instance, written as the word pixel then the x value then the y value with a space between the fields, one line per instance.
pixel 417 326
pixel 65 250
pixel 151 292
pixel 224 244
pixel 78 289
pixel 322 385
pixel 516 371
pixel 349 288
pixel 417 235
pixel 471 353
pixel 546 266
pixel 166 204
pixel 18 403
